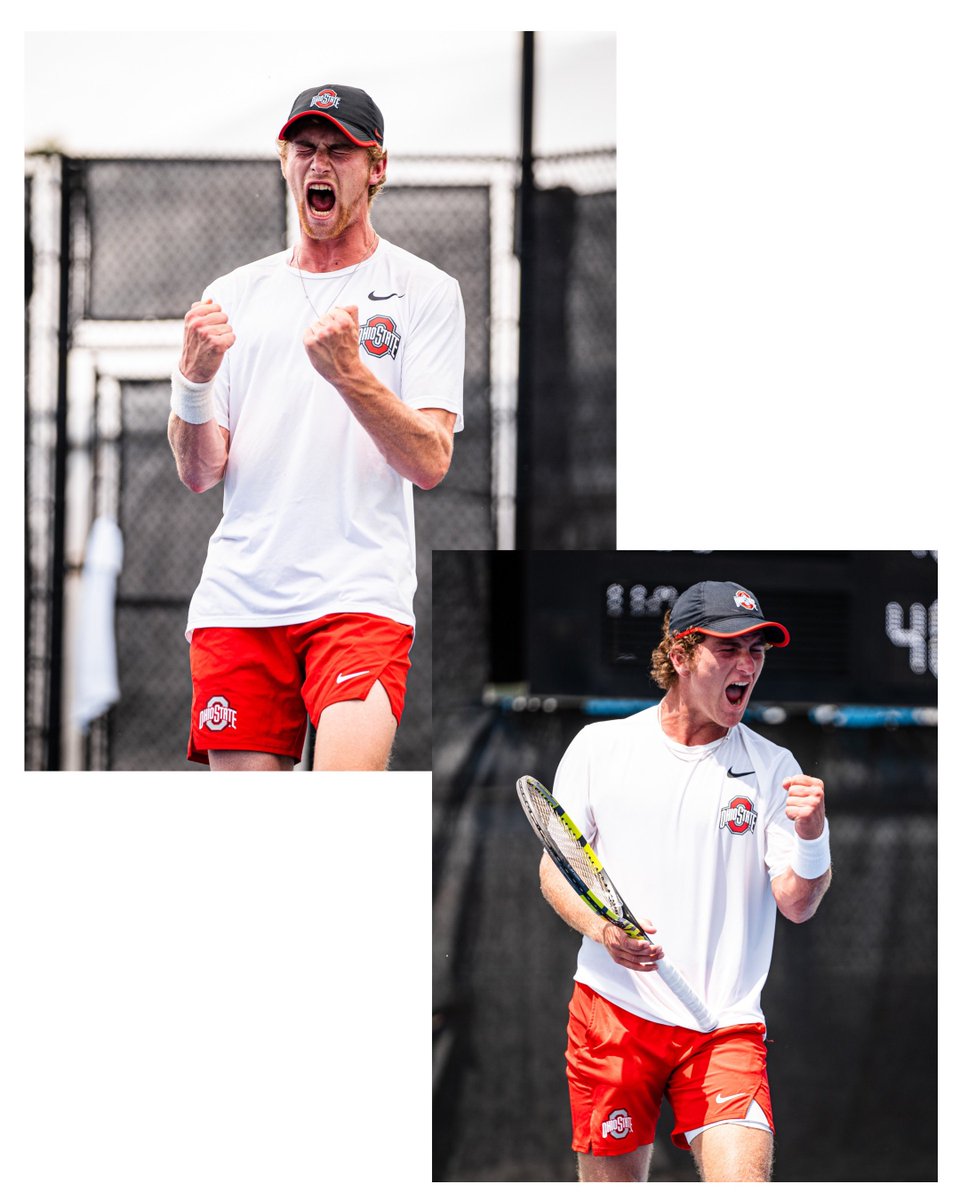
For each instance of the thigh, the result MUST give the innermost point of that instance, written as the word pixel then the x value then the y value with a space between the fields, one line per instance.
pixel 248 760
pixel 733 1154
pixel 624 1168
pixel 246 694
pixel 356 735
pixel 718 1079
pixel 617 1068
pixel 346 653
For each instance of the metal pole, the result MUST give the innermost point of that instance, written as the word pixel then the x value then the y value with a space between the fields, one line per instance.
pixel 526 253
pixel 59 542
pixel 27 563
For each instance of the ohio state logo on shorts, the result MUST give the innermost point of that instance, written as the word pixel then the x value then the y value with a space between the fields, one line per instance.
pixel 217 714
pixel 739 816
pixel 618 1124
pixel 379 336
pixel 328 98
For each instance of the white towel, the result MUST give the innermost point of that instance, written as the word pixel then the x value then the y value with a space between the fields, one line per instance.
pixel 96 685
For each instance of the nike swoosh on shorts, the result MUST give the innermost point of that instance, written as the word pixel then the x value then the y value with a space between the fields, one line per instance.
pixel 343 678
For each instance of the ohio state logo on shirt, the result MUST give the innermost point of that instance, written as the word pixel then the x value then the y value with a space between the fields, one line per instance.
pixel 744 600
pixel 739 815
pixel 379 336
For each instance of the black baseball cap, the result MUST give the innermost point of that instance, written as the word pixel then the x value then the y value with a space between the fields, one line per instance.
pixel 721 610
pixel 349 108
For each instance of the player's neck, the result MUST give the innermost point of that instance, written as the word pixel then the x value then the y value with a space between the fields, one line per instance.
pixel 354 245
pixel 684 725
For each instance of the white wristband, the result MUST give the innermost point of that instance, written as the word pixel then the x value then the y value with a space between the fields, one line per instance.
pixel 811 858
pixel 192 402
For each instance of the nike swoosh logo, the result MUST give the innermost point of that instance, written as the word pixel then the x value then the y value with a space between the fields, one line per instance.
pixel 739 774
pixel 353 675
pixel 399 295
pixel 735 1096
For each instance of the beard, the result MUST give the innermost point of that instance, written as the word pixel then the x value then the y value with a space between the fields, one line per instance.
pixel 348 216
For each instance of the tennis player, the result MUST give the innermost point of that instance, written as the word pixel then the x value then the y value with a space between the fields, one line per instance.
pixel 712 829
pixel 319 384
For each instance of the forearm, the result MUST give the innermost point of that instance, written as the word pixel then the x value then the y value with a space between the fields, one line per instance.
pixel 798 898
pixel 799 890
pixel 636 954
pixel 412 442
pixel 200 452
pixel 567 904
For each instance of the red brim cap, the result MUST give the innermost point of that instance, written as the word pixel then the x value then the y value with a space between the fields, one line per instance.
pixel 729 633
pixel 350 109
pixel 721 609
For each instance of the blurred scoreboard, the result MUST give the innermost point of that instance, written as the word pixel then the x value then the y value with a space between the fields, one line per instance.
pixel 863 623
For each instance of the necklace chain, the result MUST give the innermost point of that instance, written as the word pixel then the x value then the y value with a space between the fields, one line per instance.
pixel 303 282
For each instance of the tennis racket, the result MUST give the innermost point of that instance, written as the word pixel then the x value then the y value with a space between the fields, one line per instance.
pixel 576 861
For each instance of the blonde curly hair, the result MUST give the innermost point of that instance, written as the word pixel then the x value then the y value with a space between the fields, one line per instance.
pixel 662 671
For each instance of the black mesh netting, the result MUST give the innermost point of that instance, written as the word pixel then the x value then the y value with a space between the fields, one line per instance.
pixel 566 483
pixel 165 530
pixel 162 230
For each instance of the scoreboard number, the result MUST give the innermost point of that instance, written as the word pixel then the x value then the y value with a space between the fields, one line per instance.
pixel 918 634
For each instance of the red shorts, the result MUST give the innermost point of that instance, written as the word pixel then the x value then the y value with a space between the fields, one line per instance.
pixel 254 689
pixel 619 1068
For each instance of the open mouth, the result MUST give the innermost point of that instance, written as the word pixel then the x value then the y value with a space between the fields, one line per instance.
pixel 736 693
pixel 321 198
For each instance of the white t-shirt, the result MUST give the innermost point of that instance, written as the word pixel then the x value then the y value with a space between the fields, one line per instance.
pixel 314 520
pixel 689 846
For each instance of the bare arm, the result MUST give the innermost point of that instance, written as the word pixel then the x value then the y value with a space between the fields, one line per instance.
pixel 200 450
pixel 629 952
pixel 799 898
pixel 417 443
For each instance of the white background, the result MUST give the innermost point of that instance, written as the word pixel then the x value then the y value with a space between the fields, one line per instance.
pixel 440 93
pixel 223 989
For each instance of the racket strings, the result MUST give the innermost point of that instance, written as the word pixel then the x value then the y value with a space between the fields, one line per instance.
pixel 571 847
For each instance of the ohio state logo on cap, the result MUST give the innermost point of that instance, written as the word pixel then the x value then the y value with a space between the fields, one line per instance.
pixel 350 109
pixel 743 599
pixel 328 98
pixel 738 816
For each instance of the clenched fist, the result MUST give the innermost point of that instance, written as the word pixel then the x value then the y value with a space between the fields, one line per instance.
pixel 207 337
pixel 805 805
pixel 333 343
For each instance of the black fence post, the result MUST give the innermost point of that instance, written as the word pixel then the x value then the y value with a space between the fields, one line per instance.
pixel 526 253
pixel 58 546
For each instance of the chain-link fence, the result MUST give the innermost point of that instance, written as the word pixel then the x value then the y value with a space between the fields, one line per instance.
pixel 566 475
pixel 117 251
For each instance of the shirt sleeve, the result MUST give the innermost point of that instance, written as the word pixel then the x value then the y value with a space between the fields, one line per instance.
pixel 433 359
pixel 571 785
pixel 221 381
pixel 779 828
pixel 221 393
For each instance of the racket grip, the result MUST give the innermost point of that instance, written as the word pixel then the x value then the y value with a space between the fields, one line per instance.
pixel 683 991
